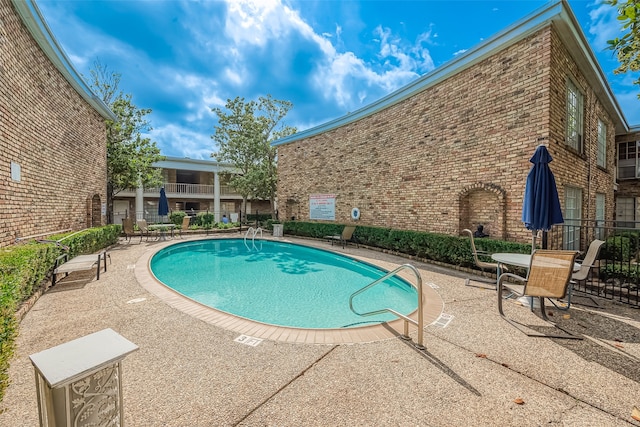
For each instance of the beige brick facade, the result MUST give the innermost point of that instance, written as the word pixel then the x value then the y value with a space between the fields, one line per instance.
pixel 52 134
pixel 457 153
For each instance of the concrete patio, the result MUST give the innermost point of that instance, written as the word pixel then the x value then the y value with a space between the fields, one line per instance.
pixel 477 370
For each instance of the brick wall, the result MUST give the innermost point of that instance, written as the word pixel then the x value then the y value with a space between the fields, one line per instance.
pixel 56 138
pixel 452 156
pixel 572 168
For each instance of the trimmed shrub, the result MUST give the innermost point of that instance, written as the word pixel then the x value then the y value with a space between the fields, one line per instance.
pixel 24 267
pixel 177 217
pixel 454 250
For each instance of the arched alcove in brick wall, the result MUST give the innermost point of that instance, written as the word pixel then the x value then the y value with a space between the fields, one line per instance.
pixel 95 212
pixel 483 203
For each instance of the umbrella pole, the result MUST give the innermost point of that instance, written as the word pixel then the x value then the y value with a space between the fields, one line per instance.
pixel 533 241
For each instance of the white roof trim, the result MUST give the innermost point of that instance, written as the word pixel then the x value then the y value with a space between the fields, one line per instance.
pixel 202 165
pixel 37 26
pixel 538 19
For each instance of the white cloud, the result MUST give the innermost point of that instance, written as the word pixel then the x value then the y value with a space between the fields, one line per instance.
pixel 603 26
pixel 176 141
pixel 340 76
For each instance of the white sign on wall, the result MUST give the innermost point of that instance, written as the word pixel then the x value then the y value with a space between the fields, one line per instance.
pixel 322 207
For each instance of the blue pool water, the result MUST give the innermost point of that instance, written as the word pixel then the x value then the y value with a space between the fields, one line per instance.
pixel 280 283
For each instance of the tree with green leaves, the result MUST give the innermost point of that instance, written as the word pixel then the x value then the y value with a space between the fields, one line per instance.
pixel 130 157
pixel 244 134
pixel 627 47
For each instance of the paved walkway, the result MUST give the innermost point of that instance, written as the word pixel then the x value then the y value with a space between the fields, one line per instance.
pixel 190 372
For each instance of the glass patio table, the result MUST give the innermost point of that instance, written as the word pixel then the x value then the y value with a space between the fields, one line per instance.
pixel 163 228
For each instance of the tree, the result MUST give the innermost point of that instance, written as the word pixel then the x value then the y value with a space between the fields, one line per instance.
pixel 130 157
pixel 244 134
pixel 627 47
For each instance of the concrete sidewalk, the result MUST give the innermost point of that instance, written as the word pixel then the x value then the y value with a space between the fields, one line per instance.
pixel 188 372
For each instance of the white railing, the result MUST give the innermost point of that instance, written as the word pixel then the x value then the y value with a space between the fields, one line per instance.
pixel 179 189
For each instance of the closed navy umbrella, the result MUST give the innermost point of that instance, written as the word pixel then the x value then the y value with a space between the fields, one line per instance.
pixel 163 205
pixel 541 205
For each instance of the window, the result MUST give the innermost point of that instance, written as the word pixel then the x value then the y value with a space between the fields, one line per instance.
pixel 600 216
pixel 602 144
pixel 572 218
pixel 574 116
pixel 625 212
pixel 628 160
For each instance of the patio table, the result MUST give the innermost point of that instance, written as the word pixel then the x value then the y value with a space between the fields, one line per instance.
pixel 163 230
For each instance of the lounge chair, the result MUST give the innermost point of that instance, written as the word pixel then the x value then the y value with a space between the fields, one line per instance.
pixel 344 237
pixel 483 265
pixel 81 262
pixel 549 276
pixel 128 230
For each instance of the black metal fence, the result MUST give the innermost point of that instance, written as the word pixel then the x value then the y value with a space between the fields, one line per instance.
pixel 616 275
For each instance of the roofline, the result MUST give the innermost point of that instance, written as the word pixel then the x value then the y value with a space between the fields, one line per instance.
pixel 37 26
pixel 202 165
pixel 576 30
pixel 541 17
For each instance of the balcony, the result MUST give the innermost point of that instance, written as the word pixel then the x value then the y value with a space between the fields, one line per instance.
pixel 184 191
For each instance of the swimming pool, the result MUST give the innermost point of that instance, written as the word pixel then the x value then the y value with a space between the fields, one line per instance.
pixel 280 283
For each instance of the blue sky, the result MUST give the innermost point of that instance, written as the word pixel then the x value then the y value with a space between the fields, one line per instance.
pixel 182 58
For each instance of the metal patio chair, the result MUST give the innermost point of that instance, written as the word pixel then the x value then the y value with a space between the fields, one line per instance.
pixel 483 265
pixel 549 277
pixel 145 230
pixel 185 225
pixel 128 230
pixel 344 237
pixel 587 265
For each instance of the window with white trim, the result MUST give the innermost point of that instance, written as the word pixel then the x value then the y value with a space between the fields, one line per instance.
pixel 625 212
pixel 602 144
pixel 575 113
pixel 600 215
pixel 572 218
pixel 628 160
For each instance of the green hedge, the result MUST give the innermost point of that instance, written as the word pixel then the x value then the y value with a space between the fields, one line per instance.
pixel 454 250
pixel 24 267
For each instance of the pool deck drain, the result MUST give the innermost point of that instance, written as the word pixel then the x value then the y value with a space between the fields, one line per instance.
pixel 432 309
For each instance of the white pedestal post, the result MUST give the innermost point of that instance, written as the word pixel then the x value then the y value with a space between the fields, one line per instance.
pixel 278 230
pixel 79 383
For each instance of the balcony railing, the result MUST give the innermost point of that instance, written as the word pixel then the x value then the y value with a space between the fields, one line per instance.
pixel 186 190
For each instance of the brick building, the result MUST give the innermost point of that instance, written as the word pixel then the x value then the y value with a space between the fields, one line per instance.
pixel 52 133
pixel 451 150
pixel 191 186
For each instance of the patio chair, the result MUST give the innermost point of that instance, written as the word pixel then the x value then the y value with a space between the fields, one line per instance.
pixel 144 229
pixel 549 276
pixel 483 265
pixel 128 230
pixel 587 265
pixel 185 225
pixel 344 237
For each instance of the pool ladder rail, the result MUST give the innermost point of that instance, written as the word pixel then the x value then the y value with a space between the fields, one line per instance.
pixel 253 232
pixel 419 323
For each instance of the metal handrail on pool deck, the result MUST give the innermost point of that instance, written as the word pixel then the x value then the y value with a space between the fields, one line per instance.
pixel 253 236
pixel 406 319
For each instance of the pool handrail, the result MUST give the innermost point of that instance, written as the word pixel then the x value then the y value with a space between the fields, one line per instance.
pixel 419 322
pixel 253 232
